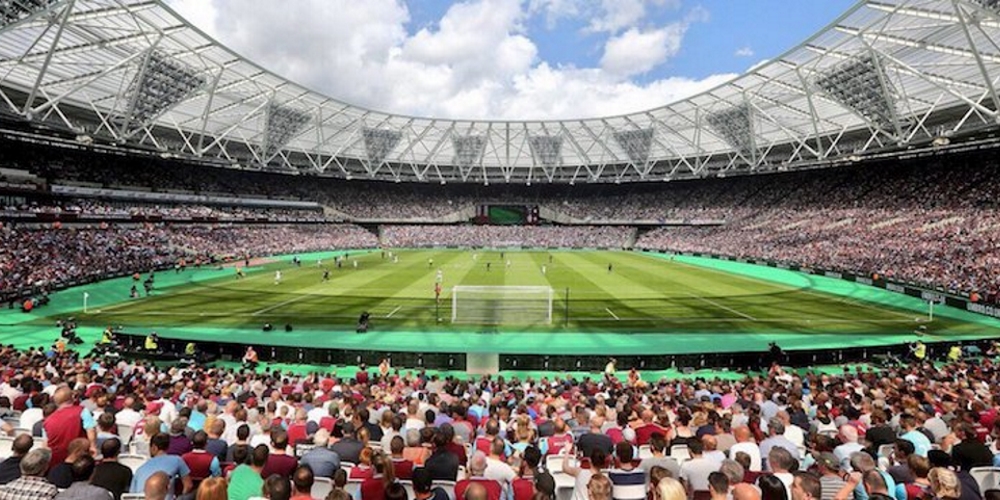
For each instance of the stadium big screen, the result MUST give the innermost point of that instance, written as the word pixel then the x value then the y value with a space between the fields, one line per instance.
pixel 507 214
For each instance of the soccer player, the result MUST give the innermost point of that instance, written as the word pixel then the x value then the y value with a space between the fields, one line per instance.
pixel 508 263
pixel 239 273
pixel 609 267
pixel 487 266
pixel 395 259
pixel 277 277
pixel 437 291
pixel 440 276
pixel 543 268
pixel 430 263
pixel 326 275
pixel 354 263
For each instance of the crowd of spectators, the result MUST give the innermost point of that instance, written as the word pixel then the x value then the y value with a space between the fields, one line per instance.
pixel 50 257
pixel 917 431
pixel 932 222
pixel 98 209
pixel 507 236
pixel 954 249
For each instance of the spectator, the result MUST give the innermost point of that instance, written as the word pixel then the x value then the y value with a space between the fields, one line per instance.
pixel 81 487
pixel 10 468
pixel 213 488
pixel 657 446
pixel 68 422
pixel 302 483
pixel 402 468
pixel 599 487
pixel 201 463
pixel 375 487
pixel 171 465
pixel 279 461
pixel 109 474
pixel 61 474
pixel 442 463
pixel 32 483
pixel 772 488
pixel 322 460
pixel 477 469
pixel 246 480
pixel 423 488
pixel 628 481
pixel 157 486
pixel 348 448
pixel 180 444
pixel 280 488
pixel 718 486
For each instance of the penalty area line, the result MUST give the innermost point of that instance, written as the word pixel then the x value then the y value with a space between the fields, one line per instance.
pixel 394 311
pixel 722 306
pixel 613 315
pixel 279 304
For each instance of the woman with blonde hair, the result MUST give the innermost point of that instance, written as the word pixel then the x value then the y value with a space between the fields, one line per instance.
pixel 149 427
pixel 599 487
pixel 375 487
pixel 213 488
pixel 670 489
pixel 944 484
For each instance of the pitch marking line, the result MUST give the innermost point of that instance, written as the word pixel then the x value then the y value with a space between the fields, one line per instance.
pixel 722 306
pixel 613 315
pixel 279 304
pixel 807 290
pixel 394 311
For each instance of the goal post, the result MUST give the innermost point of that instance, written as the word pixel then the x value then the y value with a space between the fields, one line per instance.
pixel 501 305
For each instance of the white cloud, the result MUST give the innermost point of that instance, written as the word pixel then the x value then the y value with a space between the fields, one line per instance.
pixel 616 15
pixel 475 62
pixel 744 52
pixel 636 52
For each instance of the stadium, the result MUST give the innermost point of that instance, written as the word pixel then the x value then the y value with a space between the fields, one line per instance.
pixel 185 231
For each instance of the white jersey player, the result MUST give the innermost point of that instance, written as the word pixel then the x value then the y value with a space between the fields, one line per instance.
pixel 440 276
pixel 277 277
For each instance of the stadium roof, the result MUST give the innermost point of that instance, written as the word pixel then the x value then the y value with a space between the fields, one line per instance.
pixel 886 75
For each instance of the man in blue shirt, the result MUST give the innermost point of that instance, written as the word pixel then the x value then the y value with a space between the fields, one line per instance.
pixel 173 466
pixel 323 461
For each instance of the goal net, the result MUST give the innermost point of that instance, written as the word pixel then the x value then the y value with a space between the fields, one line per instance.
pixel 501 305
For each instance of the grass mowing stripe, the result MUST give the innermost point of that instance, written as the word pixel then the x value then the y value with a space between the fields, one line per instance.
pixel 803 290
pixel 722 306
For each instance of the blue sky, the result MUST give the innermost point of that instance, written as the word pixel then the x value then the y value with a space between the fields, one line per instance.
pixel 517 59
pixel 765 27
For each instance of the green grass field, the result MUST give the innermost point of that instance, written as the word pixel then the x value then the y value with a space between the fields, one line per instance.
pixel 641 293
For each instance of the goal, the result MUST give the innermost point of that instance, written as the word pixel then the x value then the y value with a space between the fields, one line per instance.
pixel 501 305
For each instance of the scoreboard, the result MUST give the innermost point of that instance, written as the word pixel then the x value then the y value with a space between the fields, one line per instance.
pixel 515 215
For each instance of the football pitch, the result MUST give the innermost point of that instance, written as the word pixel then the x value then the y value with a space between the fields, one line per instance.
pixel 593 291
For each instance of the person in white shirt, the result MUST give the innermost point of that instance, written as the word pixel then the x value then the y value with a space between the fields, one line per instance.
pixel 496 468
pixel 849 436
pixel 33 415
pixel 746 444
pixel 414 419
pixel 793 432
